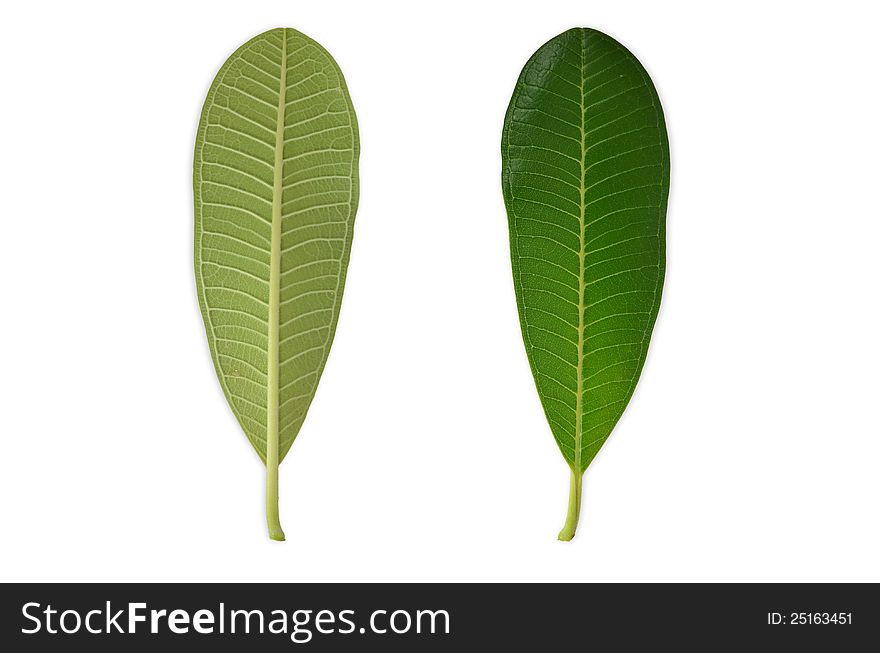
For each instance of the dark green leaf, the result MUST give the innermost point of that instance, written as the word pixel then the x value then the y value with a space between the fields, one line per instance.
pixel 585 179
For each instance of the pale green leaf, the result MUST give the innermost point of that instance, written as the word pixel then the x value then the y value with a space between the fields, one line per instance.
pixel 585 180
pixel 276 191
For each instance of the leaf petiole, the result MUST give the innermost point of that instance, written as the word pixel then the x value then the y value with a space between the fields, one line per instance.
pixel 272 518
pixel 574 507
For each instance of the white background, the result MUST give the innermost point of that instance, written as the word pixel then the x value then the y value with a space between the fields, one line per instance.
pixel 748 453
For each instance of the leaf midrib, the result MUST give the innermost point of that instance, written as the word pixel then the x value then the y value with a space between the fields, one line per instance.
pixel 579 398
pixel 273 367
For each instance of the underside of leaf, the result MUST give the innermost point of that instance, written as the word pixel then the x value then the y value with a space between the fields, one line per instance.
pixel 585 179
pixel 276 191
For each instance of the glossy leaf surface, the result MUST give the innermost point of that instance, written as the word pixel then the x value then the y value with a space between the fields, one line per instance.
pixel 585 180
